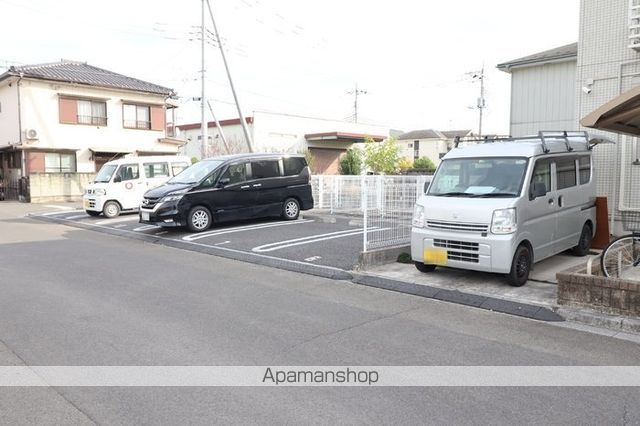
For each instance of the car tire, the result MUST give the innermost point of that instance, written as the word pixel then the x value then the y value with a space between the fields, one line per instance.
pixel 93 213
pixel 423 267
pixel 111 209
pixel 290 209
pixel 199 219
pixel 520 267
pixel 584 243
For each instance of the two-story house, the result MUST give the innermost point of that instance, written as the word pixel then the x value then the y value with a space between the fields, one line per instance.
pixel 68 118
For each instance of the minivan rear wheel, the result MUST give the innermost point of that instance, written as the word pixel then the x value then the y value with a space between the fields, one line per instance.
pixel 520 267
pixel 290 209
pixel 199 219
pixel 111 209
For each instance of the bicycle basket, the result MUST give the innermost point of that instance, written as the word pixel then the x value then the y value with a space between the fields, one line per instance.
pixel 631 221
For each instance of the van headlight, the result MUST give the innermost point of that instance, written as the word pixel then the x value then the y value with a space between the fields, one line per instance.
pixel 172 197
pixel 100 191
pixel 418 216
pixel 504 221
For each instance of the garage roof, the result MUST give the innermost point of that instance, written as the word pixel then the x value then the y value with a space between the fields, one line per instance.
pixel 619 115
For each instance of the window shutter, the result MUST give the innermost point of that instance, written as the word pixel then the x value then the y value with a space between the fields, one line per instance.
pixel 68 110
pixel 157 118
pixel 35 162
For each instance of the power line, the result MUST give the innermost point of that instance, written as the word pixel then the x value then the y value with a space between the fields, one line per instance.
pixel 356 92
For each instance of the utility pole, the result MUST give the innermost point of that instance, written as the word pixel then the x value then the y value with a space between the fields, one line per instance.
pixel 219 127
pixel 243 122
pixel 356 92
pixel 203 98
pixel 481 104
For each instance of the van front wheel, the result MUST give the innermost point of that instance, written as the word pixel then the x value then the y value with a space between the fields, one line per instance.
pixel 423 267
pixel 584 243
pixel 199 219
pixel 111 209
pixel 520 267
pixel 290 209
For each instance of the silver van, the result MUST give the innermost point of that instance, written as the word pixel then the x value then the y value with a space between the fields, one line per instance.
pixel 502 205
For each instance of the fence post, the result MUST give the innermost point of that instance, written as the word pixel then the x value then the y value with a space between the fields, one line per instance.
pixel 321 191
pixel 365 213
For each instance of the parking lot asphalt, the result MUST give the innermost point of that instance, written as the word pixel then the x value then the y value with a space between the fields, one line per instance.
pixel 308 240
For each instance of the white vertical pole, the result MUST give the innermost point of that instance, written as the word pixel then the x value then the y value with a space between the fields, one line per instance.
pixel 365 213
pixel 203 99
pixel 320 191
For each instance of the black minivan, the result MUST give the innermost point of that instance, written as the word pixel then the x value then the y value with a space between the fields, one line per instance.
pixel 231 187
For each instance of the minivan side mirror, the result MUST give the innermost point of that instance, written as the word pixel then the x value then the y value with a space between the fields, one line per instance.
pixel 223 182
pixel 117 179
pixel 426 187
pixel 538 189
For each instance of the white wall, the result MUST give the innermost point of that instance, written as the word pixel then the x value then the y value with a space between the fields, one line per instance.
pixel 431 148
pixel 273 132
pixel 543 98
pixel 40 111
pixel 9 132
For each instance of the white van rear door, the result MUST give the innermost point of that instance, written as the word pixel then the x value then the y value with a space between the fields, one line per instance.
pixel 128 187
pixel 156 173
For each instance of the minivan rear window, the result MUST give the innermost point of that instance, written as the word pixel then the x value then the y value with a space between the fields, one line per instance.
pixel 160 169
pixel 293 165
pixel 265 169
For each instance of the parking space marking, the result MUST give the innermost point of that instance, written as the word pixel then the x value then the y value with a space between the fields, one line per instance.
pixel 145 228
pixel 122 225
pixel 58 207
pixel 313 258
pixel 242 229
pixel 312 239
pixel 78 216
pixel 161 233
pixel 122 219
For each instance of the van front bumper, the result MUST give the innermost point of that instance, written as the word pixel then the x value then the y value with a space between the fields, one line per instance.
pixel 492 253
pixel 164 214
pixel 93 202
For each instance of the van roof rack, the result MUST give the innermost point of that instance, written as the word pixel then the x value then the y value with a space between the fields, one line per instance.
pixel 544 136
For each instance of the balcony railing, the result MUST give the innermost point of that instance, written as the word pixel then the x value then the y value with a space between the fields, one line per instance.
pixel 89 119
pixel 136 124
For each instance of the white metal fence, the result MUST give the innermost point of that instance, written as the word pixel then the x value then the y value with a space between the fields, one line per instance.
pixel 385 204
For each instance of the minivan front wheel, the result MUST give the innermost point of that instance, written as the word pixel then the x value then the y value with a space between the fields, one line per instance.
pixel 584 243
pixel 520 267
pixel 199 219
pixel 290 209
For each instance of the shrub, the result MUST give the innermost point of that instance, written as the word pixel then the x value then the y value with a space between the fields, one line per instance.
pixel 424 163
pixel 351 162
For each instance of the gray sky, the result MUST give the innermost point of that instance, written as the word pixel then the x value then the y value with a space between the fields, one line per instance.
pixel 304 56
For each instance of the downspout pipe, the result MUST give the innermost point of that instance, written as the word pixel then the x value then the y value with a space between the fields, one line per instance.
pixel 23 162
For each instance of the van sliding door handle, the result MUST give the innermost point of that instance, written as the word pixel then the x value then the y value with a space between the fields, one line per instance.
pixel 257 185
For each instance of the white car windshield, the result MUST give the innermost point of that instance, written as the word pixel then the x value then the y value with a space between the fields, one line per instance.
pixel 196 172
pixel 105 173
pixel 479 177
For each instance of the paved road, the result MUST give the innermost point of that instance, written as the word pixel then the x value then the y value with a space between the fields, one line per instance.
pixel 75 297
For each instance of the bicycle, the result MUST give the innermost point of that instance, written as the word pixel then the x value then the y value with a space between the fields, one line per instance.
pixel 622 255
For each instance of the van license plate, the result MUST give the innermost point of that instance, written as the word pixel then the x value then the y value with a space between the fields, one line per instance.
pixel 435 256
pixel 145 216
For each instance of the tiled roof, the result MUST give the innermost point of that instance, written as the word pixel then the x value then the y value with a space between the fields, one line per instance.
pixel 82 73
pixel 562 52
pixel 421 134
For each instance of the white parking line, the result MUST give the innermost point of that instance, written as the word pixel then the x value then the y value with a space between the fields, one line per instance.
pixel 222 243
pixel 78 216
pixel 161 233
pixel 59 207
pixel 312 239
pixel 313 258
pixel 122 225
pixel 145 228
pixel 242 229
pixel 122 219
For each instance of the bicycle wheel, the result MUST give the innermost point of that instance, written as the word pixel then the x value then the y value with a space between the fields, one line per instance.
pixel 620 256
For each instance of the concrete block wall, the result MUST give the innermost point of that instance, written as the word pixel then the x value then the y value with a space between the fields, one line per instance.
pixel 56 187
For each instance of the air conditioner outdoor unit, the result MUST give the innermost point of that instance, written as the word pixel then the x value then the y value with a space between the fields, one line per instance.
pixel 31 134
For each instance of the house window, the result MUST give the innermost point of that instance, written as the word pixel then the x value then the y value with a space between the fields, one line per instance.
pixel 55 162
pixel 416 150
pixel 136 117
pixel 83 111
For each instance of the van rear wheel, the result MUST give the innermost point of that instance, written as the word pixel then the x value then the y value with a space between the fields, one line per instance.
pixel 520 267
pixel 111 209
pixel 199 219
pixel 290 209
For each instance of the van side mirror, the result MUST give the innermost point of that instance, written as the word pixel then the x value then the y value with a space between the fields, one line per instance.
pixel 538 189
pixel 117 179
pixel 426 187
pixel 223 182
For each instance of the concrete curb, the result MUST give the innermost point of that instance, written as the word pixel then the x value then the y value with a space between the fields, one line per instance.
pixel 483 302
pixel 599 319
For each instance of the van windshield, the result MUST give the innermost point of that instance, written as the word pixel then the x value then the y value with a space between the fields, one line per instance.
pixel 105 173
pixel 479 177
pixel 196 172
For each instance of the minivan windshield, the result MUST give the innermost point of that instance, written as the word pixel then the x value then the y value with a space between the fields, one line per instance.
pixel 196 172
pixel 105 173
pixel 479 177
